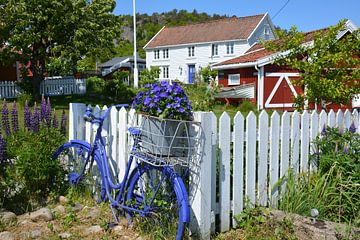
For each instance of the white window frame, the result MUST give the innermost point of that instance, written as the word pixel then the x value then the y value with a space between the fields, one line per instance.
pixel 191 51
pixel 230 83
pixel 157 54
pixel 214 50
pixel 230 48
pixel 165 72
pixel 166 53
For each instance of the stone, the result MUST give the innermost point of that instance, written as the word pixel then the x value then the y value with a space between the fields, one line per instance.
pixel 93 213
pixel 63 200
pixel 93 230
pixel 118 230
pixel 65 235
pixel 77 207
pixel 36 233
pixel 60 209
pixel 7 235
pixel 7 217
pixel 43 214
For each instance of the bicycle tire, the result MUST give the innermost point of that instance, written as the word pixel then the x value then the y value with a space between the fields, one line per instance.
pixel 170 215
pixel 72 156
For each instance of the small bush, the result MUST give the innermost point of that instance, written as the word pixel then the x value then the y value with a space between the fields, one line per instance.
pixel 118 91
pixel 95 85
pixel 334 189
pixel 201 96
pixel 246 107
pixel 33 167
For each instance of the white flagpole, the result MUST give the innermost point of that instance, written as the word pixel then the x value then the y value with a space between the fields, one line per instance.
pixel 136 73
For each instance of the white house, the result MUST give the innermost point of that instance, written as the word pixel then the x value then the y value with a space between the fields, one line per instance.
pixel 182 51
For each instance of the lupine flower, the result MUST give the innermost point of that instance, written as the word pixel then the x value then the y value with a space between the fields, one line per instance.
pixel 48 113
pixel 35 120
pixel 55 121
pixel 352 128
pixel 346 149
pixel 3 157
pixel 5 119
pixel 14 118
pixel 63 123
pixel 42 109
pixel 27 116
pixel 336 148
pixel 323 131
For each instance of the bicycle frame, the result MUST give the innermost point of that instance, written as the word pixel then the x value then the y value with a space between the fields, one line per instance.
pixel 98 147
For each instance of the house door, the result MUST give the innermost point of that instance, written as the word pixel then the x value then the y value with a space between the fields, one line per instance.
pixel 191 74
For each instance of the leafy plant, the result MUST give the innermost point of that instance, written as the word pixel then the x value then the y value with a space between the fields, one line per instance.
pixel 201 95
pixel 163 100
pixel 95 85
pixel 33 167
pixel 149 76
pixel 334 188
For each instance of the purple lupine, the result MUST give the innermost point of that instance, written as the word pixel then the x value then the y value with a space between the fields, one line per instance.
pixel 352 128
pixel 5 119
pixel 14 118
pixel 63 123
pixel 48 113
pixel 55 121
pixel 323 132
pixel 346 149
pixel 35 120
pixel 42 109
pixel 3 157
pixel 27 116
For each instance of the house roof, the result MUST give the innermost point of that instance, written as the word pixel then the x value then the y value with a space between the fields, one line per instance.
pixel 219 30
pixel 257 51
pixel 116 60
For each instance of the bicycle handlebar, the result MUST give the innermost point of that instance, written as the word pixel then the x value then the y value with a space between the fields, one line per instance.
pixel 90 117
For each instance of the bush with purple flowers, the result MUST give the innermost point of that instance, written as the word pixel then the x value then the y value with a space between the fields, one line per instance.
pixel 164 100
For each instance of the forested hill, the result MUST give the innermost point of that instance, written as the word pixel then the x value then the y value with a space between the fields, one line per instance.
pixel 149 25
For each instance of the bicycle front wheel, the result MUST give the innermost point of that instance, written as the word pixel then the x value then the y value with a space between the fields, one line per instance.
pixel 159 195
pixel 82 168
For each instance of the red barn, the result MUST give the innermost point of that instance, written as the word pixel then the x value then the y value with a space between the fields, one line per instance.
pixel 254 77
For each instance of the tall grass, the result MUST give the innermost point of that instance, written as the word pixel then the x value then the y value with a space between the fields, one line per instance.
pixel 335 188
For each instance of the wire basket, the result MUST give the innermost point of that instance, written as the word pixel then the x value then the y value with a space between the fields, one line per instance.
pixel 167 142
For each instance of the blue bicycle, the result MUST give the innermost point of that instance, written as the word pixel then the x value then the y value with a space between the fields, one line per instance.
pixel 151 187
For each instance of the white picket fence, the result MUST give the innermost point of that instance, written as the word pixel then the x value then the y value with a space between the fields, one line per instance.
pixel 48 87
pixel 9 89
pixel 62 86
pixel 259 150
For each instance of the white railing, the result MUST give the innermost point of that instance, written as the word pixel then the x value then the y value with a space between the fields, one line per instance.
pixel 264 148
pixel 48 87
pixel 9 89
pixel 62 86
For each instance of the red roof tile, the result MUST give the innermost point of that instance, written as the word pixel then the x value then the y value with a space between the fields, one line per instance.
pixel 257 51
pixel 219 30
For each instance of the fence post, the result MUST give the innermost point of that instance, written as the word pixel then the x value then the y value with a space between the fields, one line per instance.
pixel 76 112
pixel 263 157
pixel 200 182
pixel 224 169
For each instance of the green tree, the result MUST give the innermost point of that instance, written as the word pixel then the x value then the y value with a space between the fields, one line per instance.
pixel 329 67
pixel 53 35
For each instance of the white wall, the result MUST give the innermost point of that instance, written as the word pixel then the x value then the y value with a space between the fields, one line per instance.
pixel 178 60
pixel 259 32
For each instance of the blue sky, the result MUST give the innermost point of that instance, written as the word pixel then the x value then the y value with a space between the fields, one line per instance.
pixel 305 14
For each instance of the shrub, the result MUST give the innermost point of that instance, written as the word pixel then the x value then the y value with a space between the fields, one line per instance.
pixel 95 85
pixel 33 167
pixel 201 95
pixel 334 188
pixel 118 91
pixel 246 107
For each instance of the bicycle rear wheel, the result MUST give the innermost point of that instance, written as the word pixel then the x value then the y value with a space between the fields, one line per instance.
pixel 158 194
pixel 82 172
